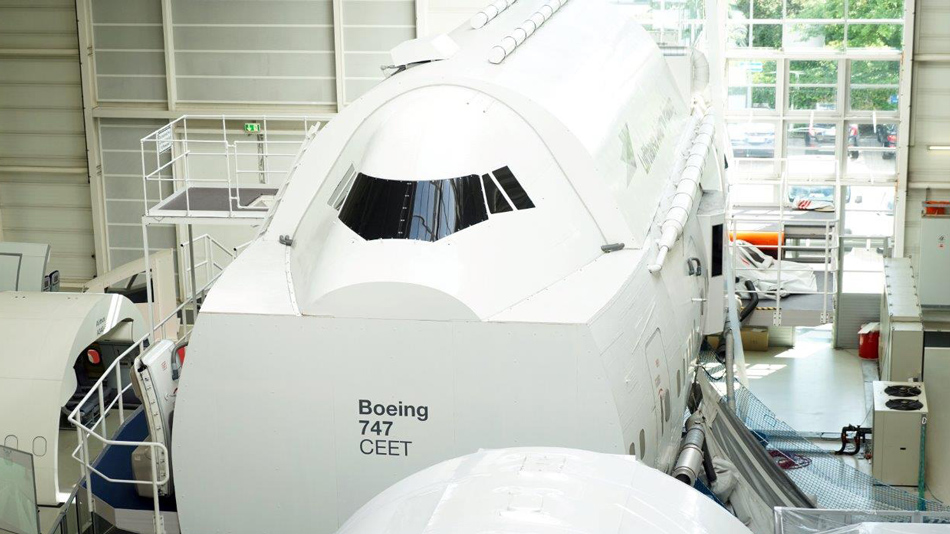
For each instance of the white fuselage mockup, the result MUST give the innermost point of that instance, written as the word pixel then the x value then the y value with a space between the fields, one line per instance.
pixel 432 282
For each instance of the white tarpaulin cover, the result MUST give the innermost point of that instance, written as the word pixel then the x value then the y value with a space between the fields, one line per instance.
pixel 770 275
pixel 831 521
pixel 889 528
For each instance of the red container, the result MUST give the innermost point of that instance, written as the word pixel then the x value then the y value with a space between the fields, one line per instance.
pixel 936 207
pixel 868 340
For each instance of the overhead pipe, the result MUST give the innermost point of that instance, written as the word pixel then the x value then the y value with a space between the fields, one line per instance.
pixel 513 40
pixel 686 191
pixel 491 11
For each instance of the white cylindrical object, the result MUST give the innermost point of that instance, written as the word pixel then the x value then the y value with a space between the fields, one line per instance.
pixel 520 34
pixel 660 260
pixel 686 190
pixel 689 462
pixel 486 15
pixel 700 71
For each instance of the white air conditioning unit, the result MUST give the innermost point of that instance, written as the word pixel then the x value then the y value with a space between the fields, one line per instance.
pixel 900 408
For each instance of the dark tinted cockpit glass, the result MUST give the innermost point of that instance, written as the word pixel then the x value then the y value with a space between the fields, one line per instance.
pixel 425 210
pixel 496 201
pixel 516 193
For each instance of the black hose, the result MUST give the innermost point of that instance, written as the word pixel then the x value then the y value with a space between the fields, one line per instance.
pixel 744 314
pixel 753 302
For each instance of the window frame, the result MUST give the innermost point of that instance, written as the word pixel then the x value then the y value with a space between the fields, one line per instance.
pixel 749 20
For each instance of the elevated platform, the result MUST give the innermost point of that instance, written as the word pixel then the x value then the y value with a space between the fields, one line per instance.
pixel 221 169
pixel 797 309
pixel 195 204
pixel 809 238
pixel 798 224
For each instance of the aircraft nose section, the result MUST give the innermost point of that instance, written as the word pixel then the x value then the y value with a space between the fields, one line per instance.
pixel 393 300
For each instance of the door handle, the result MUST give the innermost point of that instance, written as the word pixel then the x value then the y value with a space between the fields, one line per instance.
pixel 695 267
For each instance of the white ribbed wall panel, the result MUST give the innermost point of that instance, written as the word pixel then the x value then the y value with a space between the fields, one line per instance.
pixel 252 51
pixel 129 51
pixel 44 183
pixel 930 116
pixel 122 178
pixel 855 310
pixel 371 28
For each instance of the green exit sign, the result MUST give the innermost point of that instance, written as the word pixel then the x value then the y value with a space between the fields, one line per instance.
pixel 252 127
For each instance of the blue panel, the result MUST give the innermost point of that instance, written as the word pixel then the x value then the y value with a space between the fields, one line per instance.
pixel 116 462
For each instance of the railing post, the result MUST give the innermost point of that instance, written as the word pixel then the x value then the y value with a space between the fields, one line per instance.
pixel 159 526
pixel 209 257
pixel 102 411
pixel 194 285
pixel 118 381
pixel 86 474
pixel 148 279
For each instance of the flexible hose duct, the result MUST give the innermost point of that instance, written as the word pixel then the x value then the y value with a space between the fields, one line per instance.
pixel 686 191
pixel 689 462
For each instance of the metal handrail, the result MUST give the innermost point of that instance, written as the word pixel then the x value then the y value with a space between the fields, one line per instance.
pixel 229 171
pixel 212 266
pixel 829 236
pixel 99 430
pixel 59 524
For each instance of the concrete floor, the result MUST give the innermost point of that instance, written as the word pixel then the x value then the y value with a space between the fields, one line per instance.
pixel 816 388
pixel 811 386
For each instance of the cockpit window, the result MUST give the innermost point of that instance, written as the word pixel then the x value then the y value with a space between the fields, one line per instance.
pixel 497 203
pixel 376 208
pixel 515 192
pixel 425 210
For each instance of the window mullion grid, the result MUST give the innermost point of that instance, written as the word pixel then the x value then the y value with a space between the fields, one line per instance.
pixel 841 156
pixel 781 81
pixel 844 91
pixel 784 19
pixel 847 14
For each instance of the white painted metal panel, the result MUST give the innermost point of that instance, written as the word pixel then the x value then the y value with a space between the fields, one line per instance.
pixel 44 190
pixel 121 157
pixel 516 330
pixel 278 52
pixel 936 378
pixel 129 51
pixel 478 384
pixel 929 116
pixel 855 310
pixel 43 334
pixel 371 28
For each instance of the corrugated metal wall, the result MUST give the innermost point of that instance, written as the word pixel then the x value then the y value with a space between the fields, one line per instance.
pixel 930 115
pixel 121 158
pixel 129 51
pixel 254 52
pixel 44 184
pixel 230 56
pixel 370 29
pixel 855 310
